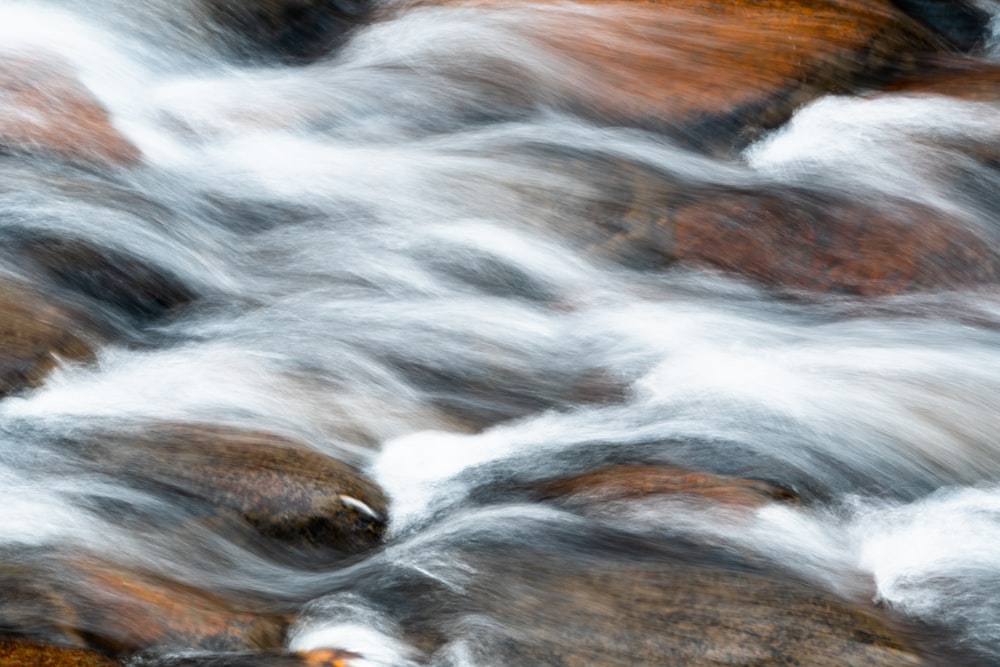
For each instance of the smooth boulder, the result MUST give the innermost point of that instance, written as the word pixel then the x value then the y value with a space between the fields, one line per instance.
pixel 280 489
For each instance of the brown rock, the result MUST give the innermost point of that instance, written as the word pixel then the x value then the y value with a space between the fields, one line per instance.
pixel 817 243
pixel 124 611
pixel 35 334
pixel 531 606
pixel 969 79
pixel 15 653
pixel 280 488
pixel 45 109
pixel 715 73
pixel 628 482
pixel 680 615
pixel 289 30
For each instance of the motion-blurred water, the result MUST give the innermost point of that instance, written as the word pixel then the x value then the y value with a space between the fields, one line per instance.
pixel 390 257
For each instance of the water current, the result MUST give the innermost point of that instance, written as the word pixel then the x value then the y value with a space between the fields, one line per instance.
pixel 427 255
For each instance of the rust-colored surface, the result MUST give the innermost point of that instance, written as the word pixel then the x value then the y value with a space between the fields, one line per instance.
pixel 625 482
pixel 14 653
pixel 962 78
pixel 832 246
pixel 713 68
pixel 45 109
pixel 126 611
pixel 328 658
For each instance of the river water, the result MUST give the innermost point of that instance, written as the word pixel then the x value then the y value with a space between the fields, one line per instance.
pixel 391 259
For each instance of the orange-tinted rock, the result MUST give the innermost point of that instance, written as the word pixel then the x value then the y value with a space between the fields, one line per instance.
pixel 125 611
pixel 815 244
pixel 714 72
pixel 35 334
pixel 288 30
pixel 629 482
pixel 14 653
pixel 963 78
pixel 280 488
pixel 45 109
pixel 328 658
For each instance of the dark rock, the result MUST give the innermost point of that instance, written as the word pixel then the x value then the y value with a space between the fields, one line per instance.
pixel 17 653
pixel 128 284
pixel 962 24
pixel 280 488
pixel 44 109
pixel 287 30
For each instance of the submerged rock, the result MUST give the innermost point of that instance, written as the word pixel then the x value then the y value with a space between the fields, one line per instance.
pixel 599 597
pixel 45 109
pixel 278 487
pixel 124 611
pixel 17 653
pixel 128 284
pixel 714 75
pixel 632 482
pixel 36 334
pixel 287 30
pixel 829 244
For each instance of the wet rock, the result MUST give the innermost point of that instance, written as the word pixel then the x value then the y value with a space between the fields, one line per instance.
pixel 278 487
pixel 713 75
pixel 123 611
pixel 16 653
pixel 963 24
pixel 128 284
pixel 681 615
pixel 287 30
pixel 832 245
pixel 36 334
pixel 630 482
pixel 969 79
pixel 44 109
pixel 318 658
pixel 33 608
pixel 54 596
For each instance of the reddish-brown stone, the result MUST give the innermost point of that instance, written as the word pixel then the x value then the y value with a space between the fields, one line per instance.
pixel 713 72
pixel 15 653
pixel 814 243
pixel 45 109
pixel 125 611
pixel 629 482
pixel 969 79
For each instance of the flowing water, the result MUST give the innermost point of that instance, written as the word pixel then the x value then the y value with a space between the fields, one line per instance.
pixel 387 255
